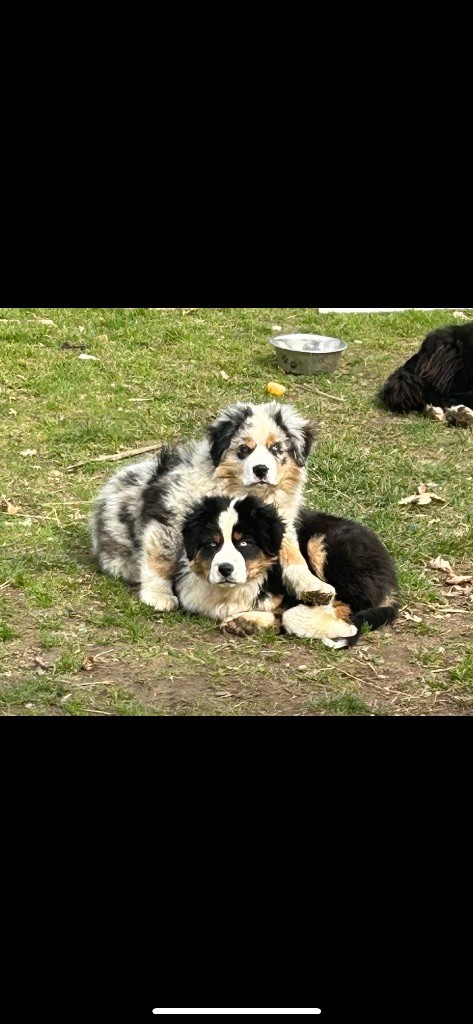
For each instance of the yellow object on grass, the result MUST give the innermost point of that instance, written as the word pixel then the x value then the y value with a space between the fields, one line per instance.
pixel 276 389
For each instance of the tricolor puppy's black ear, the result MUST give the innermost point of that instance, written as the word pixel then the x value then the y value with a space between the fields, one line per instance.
pixel 192 530
pixel 269 530
pixel 224 429
pixel 301 432
pixel 263 523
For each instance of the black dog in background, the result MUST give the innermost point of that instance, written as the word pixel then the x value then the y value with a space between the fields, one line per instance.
pixel 438 380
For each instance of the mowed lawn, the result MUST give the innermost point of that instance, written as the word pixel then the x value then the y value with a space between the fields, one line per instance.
pixel 163 375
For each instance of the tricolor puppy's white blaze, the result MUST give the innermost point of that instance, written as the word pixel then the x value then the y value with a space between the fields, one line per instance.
pixel 260 456
pixel 228 554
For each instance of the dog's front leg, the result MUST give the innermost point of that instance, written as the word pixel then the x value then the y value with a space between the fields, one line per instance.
pixel 161 545
pixel 297 576
pixel 248 623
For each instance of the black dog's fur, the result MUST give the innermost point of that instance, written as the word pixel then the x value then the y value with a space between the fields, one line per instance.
pixel 357 564
pixel 440 374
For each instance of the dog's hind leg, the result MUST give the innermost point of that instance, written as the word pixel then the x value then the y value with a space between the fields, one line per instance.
pixel 161 545
pixel 327 624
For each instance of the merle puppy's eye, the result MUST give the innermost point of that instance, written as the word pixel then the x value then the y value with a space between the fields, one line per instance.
pixel 276 448
pixel 243 451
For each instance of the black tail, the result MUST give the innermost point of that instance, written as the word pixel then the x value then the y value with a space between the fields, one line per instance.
pixel 403 392
pixel 374 618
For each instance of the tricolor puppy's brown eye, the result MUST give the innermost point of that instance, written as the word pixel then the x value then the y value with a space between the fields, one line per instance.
pixel 243 451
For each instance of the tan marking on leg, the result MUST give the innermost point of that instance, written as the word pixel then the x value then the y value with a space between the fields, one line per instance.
pixel 342 611
pixel 317 553
pixel 163 567
pixel 290 552
pixel 297 576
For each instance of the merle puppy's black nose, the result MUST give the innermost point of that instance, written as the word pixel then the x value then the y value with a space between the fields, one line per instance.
pixel 226 569
pixel 260 471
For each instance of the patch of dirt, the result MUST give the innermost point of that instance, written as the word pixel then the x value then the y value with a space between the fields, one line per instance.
pixel 193 670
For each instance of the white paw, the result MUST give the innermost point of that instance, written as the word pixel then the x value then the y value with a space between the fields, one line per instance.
pixel 460 414
pixel 336 645
pixel 434 412
pixel 160 600
pixel 307 587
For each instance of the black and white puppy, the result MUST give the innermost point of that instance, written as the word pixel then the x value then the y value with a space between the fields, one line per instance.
pixel 230 572
pixel 437 380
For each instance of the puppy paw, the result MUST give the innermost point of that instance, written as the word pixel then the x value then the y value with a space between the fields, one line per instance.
pixel 337 645
pixel 238 627
pixel 160 600
pixel 318 596
pixel 461 415
pixel 434 412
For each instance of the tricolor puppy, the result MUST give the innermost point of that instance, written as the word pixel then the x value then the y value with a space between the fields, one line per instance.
pixel 229 571
pixel 249 450
pixel 230 546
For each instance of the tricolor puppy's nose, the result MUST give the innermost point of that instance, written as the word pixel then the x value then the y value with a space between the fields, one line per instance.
pixel 226 569
pixel 261 472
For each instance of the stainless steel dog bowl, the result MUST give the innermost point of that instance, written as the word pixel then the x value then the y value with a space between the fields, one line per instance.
pixel 308 353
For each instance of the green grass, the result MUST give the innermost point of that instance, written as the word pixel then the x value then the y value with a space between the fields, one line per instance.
pixel 348 704
pixel 158 377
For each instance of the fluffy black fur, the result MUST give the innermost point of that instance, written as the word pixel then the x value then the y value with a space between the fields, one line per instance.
pixel 357 564
pixel 258 522
pixel 440 374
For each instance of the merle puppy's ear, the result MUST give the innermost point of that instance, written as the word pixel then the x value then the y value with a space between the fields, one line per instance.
pixel 301 432
pixel 302 449
pixel 224 429
pixel 267 529
pixel 192 530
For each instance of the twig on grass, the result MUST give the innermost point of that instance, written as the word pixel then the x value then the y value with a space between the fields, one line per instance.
pixel 127 454
pixel 317 391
